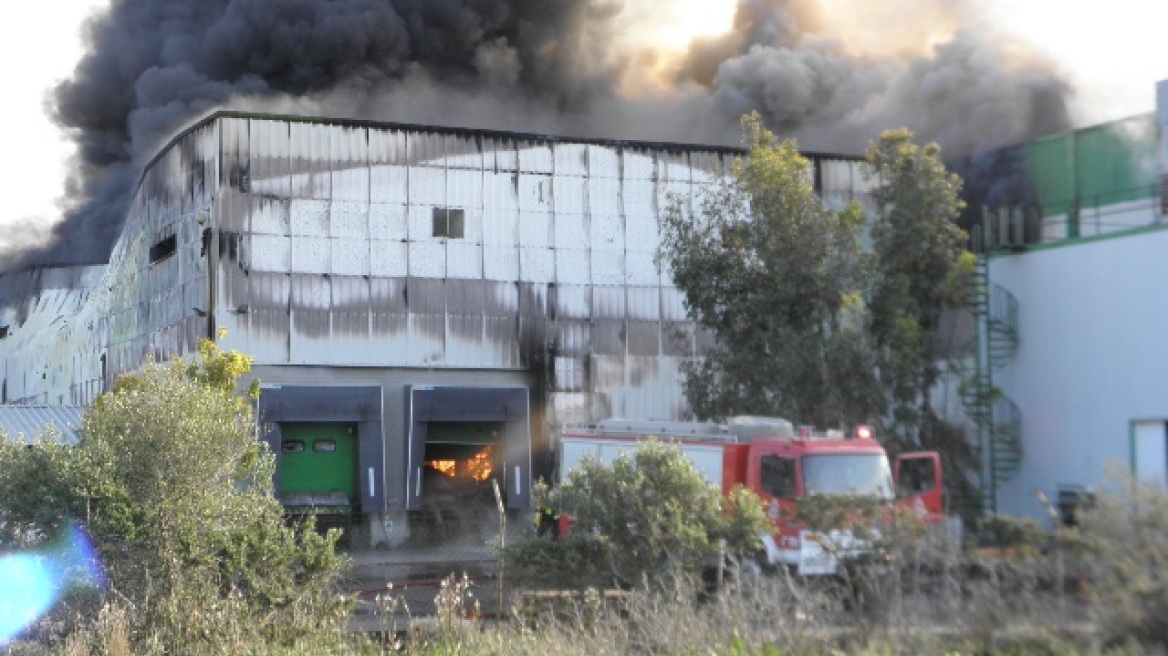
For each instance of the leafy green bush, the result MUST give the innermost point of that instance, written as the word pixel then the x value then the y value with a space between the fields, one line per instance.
pixel 651 513
pixel 39 490
pixel 176 492
pixel 579 561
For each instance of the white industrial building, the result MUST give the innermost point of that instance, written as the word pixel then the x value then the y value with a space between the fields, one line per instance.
pixel 417 294
pixel 1073 336
pixel 414 297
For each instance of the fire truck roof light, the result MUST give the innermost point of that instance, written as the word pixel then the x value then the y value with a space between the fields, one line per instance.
pixel 863 433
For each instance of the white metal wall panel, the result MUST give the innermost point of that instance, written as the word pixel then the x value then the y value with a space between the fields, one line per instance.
pixel 572 301
pixel 310 168
pixel 535 229
pixel 349 164
pixel 644 302
pixel 428 185
pixel 534 157
pixel 1151 454
pixel 350 318
pixel 501 191
pixel 464 189
pixel 537 264
pixel 535 193
pixel 388 221
pixel 268 316
pixel 349 219
pixel 639 199
pixel 639 163
pixel 640 269
pixel 608 266
pixel 604 196
pixel 500 155
pixel 427 259
pixel 464 261
pixel 309 218
pixel 389 258
pixel 603 161
pixel 568 194
pixel 311 255
pixel 427 321
pixel 234 155
pixel 608 301
pixel 573 265
pixel 311 315
pixel 427 149
pixel 500 262
pixel 388 173
pixel 572 230
pixel 270 157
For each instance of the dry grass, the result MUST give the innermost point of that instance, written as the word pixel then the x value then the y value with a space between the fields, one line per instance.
pixel 1098 590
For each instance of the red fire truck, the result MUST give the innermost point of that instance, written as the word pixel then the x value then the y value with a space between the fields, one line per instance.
pixel 782 464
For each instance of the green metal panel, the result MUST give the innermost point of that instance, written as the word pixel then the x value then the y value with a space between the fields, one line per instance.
pixel 1115 162
pixel 1050 163
pixel 317 458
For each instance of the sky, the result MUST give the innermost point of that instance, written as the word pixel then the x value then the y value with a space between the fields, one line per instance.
pixel 1104 49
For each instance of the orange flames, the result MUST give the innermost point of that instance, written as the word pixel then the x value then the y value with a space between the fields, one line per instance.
pixel 477 467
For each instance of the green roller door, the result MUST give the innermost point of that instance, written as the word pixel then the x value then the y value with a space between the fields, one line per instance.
pixel 318 458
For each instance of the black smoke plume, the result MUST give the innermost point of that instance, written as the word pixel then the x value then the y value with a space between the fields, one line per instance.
pixel 557 66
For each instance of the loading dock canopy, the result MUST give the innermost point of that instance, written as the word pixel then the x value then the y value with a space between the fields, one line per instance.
pixel 505 405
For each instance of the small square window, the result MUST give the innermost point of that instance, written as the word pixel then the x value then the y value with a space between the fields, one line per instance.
pixel 324 446
pixel 292 446
pixel 449 223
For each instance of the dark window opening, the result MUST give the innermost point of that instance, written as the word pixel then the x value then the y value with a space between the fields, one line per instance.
pixel 324 446
pixel 3 332
pixel 449 223
pixel 4 391
pixel 292 446
pixel 916 476
pixel 163 249
pixel 777 477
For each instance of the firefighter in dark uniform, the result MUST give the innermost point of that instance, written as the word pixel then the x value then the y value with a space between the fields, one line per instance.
pixel 547 522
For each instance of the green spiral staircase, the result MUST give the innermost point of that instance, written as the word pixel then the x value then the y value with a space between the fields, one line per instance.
pixel 996 418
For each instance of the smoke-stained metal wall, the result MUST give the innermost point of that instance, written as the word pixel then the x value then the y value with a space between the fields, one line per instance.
pixel 357 254
pixel 75 337
pixel 328 254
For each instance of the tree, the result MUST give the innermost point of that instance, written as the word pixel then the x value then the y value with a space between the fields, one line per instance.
pixel 809 324
pixel 922 270
pixel 178 499
pixel 778 279
pixel 651 513
pixel 38 489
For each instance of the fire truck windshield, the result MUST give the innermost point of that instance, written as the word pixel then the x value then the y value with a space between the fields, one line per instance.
pixel 853 474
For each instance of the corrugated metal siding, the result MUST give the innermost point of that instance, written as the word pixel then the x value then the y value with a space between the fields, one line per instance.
pixel 27 423
pixel 324 252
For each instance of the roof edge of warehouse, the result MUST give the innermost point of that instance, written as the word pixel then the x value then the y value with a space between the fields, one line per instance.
pixel 472 132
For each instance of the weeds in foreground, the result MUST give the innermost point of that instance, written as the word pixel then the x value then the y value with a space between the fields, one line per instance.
pixel 1099 589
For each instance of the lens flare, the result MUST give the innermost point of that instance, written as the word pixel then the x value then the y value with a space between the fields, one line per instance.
pixel 30 583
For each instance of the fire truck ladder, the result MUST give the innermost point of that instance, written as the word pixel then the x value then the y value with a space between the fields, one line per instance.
pixel 996 418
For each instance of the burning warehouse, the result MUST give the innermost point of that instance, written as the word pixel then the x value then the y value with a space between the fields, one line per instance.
pixel 425 305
